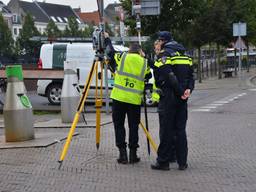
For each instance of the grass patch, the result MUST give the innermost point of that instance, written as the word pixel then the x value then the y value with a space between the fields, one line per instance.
pixel 45 112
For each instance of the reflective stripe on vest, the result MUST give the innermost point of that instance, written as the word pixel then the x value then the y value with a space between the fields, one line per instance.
pixel 142 73
pixel 129 79
pixel 176 60
pixel 128 89
pixel 181 60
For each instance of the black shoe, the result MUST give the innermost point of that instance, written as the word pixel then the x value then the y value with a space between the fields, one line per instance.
pixel 123 159
pixel 133 158
pixel 157 166
pixel 183 167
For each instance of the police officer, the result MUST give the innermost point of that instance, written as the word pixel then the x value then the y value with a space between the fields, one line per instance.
pixel 174 77
pixel 130 73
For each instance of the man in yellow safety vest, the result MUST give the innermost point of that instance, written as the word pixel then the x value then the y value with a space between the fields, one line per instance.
pixel 131 70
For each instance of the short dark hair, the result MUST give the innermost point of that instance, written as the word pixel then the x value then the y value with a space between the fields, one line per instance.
pixel 134 48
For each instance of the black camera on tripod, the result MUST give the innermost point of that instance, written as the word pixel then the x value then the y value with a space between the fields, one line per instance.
pixel 98 40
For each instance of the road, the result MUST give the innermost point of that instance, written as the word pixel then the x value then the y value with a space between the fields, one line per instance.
pixel 221 135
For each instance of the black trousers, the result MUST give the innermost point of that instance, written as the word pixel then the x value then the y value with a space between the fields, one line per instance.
pixel 119 111
pixel 172 119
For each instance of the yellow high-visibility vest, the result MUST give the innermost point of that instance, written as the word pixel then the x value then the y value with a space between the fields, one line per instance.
pixel 129 78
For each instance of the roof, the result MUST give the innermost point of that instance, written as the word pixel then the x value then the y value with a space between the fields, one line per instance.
pixel 60 12
pixel 4 8
pixel 34 10
pixel 90 17
pixel 43 12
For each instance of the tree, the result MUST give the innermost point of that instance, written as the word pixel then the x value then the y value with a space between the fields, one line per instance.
pixel 6 41
pixel 73 27
pixel 52 30
pixel 29 30
pixel 87 32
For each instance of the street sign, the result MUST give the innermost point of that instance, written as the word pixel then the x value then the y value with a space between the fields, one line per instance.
pixel 130 38
pixel 146 7
pixel 239 29
pixel 150 7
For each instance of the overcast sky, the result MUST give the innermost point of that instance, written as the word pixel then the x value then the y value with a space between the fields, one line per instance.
pixel 86 5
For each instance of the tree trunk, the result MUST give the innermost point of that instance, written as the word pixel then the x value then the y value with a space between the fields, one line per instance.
pixel 199 67
pixel 248 58
pixel 235 62
pixel 218 62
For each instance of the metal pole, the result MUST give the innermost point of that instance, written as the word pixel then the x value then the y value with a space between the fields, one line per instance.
pixel 106 88
pixel 138 26
pixel 146 117
pixel 239 64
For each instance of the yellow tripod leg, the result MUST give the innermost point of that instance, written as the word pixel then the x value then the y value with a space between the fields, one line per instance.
pixel 98 107
pixel 77 115
pixel 151 141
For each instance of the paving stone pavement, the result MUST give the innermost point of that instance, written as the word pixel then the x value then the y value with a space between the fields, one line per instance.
pixel 221 159
pixel 213 165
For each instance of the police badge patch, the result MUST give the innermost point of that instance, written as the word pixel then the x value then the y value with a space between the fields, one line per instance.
pixel 163 59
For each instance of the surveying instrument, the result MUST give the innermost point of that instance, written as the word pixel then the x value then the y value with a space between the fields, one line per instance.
pixel 101 62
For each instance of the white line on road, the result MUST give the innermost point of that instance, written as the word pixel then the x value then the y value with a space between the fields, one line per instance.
pixel 215 104
pixel 201 110
pixel 224 102
pixel 208 107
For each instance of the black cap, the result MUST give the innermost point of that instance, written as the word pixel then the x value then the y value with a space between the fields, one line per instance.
pixel 165 35
pixel 134 47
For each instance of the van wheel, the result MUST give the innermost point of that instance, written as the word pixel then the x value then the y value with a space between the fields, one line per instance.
pixel 54 93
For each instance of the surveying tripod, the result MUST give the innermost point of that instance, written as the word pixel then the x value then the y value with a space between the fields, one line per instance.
pixel 98 61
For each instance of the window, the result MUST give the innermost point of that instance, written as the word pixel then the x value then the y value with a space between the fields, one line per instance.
pixel 14 18
pixel 53 18
pixel 78 21
pixel 15 31
pixel 60 20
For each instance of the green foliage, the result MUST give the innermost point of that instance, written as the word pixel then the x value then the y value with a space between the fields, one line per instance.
pixel 25 45
pixel 6 41
pixel 197 22
pixel 52 30
pixel 87 32
pixel 73 27
pixel 108 29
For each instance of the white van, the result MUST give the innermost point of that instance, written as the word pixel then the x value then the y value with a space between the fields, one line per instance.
pixel 52 56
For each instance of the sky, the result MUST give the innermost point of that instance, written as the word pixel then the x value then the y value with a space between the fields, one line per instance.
pixel 86 5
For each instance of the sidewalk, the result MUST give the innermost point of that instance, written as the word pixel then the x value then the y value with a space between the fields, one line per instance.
pixel 248 79
pixel 213 166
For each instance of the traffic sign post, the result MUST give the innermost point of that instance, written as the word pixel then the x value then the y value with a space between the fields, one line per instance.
pixel 144 7
pixel 239 30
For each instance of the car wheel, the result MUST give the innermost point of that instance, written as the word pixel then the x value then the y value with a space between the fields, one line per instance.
pixel 54 93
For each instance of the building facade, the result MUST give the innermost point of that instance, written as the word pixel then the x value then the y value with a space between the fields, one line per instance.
pixel 42 13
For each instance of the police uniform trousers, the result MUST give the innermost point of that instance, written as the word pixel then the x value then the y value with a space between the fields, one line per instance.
pixel 172 117
pixel 119 111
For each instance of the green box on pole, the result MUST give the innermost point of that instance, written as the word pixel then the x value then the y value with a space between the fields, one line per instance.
pixel 14 71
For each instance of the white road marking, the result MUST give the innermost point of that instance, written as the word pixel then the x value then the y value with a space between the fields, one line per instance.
pixel 201 110
pixel 215 104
